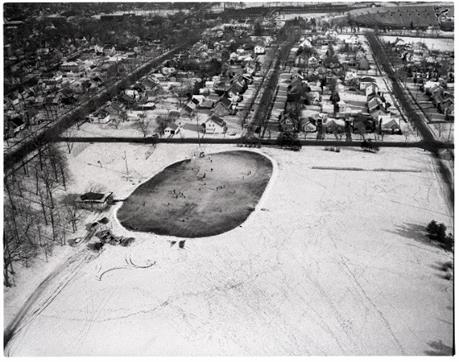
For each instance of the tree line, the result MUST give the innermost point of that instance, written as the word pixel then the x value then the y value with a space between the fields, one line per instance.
pixel 38 214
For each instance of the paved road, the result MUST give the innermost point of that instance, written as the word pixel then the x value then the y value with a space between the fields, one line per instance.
pixel 414 113
pixel 254 141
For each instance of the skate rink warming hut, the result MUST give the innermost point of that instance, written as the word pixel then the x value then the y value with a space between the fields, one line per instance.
pixel 203 196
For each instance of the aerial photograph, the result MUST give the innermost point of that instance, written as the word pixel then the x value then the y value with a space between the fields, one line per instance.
pixel 228 179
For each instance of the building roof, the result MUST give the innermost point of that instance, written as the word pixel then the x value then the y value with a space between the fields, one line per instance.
pixel 374 103
pixel 16 122
pixel 172 126
pixel 92 196
pixel 217 120
pixel 206 103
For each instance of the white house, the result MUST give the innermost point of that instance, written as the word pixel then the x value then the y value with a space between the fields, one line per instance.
pixel 327 107
pixel 371 88
pixel 258 49
pixel 313 62
pixel 214 124
pixel 350 74
pixel 70 67
pixel 171 130
pixel 100 117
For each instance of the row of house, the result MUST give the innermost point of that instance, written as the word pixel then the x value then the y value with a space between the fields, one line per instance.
pixel 441 98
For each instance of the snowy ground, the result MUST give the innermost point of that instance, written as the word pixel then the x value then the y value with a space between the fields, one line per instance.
pixel 441 44
pixel 332 261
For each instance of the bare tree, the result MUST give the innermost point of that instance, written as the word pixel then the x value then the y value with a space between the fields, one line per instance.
pixel 69 133
pixel 58 163
pixel 115 121
pixel 161 124
pixel 95 187
pixel 123 115
pixel 142 124
pixel 71 210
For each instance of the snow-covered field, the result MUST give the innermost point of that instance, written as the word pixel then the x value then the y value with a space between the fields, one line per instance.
pixel 331 262
pixel 441 44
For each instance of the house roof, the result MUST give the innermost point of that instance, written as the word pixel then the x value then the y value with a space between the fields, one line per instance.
pixel 225 101
pixel 92 196
pixel 388 122
pixel 16 122
pixel 174 114
pixel 374 103
pixel 368 79
pixel 207 103
pixel 190 105
pixel 335 122
pixel 172 126
pixel 217 120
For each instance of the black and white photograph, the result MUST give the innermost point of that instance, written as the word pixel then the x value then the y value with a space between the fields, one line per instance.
pixel 228 179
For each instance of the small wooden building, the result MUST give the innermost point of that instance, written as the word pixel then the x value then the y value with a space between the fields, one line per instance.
pixel 95 200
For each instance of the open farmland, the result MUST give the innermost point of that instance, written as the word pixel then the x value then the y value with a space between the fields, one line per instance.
pixel 334 256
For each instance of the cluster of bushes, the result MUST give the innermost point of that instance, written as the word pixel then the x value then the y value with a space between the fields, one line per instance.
pixel 437 231
pixel 447 268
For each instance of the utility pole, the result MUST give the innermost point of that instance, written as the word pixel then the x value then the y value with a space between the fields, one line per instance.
pixel 197 128
pixel 126 163
pixel 449 134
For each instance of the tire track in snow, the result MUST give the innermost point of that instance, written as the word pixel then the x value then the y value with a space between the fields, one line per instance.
pixel 339 317
pixel 27 314
pixel 375 307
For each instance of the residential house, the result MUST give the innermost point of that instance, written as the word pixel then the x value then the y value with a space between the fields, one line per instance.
pixel 148 106
pixel 238 85
pixel 350 76
pixel 70 67
pixel 222 108
pixel 327 107
pixel 234 70
pixel 429 86
pixel 375 104
pixel 191 106
pixel 371 89
pixel 214 124
pixel 171 130
pixel 101 117
pixel 389 124
pixel 258 49
pixel 206 104
pixel 14 126
pixel 222 87
pixel 313 62
pixel 286 124
pixel 366 81
pixel 449 113
pixel 446 104
pixel 334 125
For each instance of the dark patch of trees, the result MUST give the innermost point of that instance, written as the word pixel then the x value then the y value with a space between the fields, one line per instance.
pixel 437 231
pixel 35 218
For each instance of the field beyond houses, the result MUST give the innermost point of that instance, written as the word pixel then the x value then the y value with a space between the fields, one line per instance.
pixel 333 261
